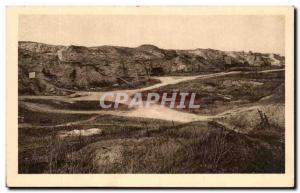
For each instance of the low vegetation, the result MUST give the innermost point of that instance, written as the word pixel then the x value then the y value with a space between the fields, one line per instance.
pixel 248 141
pixel 218 94
pixel 129 145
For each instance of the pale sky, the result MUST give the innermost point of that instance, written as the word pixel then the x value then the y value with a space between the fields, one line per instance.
pixel 229 33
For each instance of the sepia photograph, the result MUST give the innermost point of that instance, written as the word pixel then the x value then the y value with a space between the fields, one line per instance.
pixel 145 90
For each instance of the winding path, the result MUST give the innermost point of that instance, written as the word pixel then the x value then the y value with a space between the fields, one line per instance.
pixel 154 112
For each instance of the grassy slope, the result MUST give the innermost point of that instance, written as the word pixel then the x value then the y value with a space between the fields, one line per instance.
pixel 218 94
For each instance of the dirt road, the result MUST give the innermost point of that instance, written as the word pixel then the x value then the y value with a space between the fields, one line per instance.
pixel 166 80
pixel 154 112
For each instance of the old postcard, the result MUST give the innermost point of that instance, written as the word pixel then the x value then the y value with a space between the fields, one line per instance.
pixel 150 97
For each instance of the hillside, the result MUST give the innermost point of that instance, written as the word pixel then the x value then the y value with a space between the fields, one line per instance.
pixel 61 69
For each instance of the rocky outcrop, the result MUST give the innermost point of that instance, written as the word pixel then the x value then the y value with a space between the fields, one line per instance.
pixel 59 69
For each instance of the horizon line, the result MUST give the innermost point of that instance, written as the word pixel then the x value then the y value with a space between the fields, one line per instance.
pixel 148 44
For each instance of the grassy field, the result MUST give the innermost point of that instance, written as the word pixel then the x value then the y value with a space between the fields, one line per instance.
pixel 150 146
pixel 250 141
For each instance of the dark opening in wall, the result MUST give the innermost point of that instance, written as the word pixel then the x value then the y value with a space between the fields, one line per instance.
pixel 158 71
